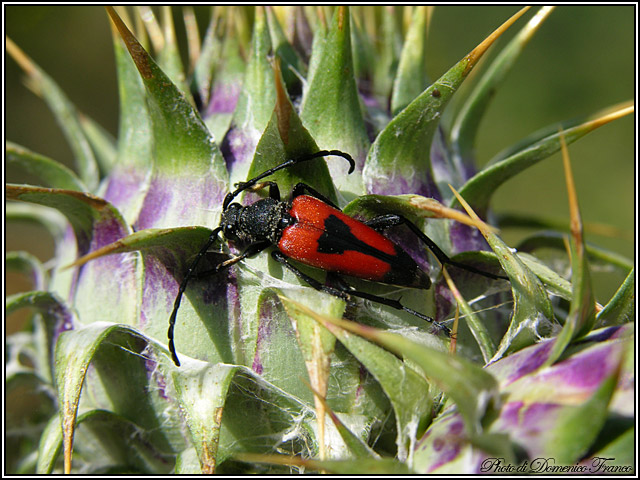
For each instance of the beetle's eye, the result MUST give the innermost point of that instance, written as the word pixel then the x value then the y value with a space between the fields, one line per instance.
pixel 284 222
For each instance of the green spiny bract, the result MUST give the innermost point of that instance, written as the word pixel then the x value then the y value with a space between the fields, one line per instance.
pixel 540 370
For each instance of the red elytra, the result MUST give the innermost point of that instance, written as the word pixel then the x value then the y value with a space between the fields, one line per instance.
pixel 326 238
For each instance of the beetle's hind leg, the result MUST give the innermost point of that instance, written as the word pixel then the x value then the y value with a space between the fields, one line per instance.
pixel 391 220
pixel 345 292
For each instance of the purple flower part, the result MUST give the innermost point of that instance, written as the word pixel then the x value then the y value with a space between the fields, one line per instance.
pixel 106 231
pixel 391 184
pixel 468 170
pixel 521 363
pixel 363 377
pixel 582 373
pixel 68 240
pixel 238 148
pixel 579 375
pixel 115 272
pixel 442 162
pixel 234 307
pixel 465 238
pixel 214 287
pixel 124 189
pixel 160 289
pixel 447 439
pixel 155 375
pixel 445 301
pixel 224 97
pixel 410 243
pixel 264 332
pixel 605 334
pixel 63 319
pixel 181 201
pixel 370 101
pixel 529 424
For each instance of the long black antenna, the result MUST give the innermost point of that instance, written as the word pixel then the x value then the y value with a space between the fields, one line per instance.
pixel 250 183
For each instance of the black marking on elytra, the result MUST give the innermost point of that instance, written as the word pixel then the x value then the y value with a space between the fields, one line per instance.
pixel 337 238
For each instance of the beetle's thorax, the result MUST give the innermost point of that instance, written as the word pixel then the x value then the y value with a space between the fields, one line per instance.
pixel 261 221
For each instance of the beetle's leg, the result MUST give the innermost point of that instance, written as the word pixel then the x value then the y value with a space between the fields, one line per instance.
pixel 289 163
pixel 251 250
pixel 336 292
pixel 345 291
pixel 300 188
pixel 391 220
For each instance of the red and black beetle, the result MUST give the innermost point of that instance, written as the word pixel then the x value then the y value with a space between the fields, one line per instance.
pixel 310 229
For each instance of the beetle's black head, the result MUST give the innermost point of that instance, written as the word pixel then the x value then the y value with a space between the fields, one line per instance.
pixel 262 221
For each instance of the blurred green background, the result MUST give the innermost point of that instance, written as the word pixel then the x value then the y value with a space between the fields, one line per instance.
pixel 580 61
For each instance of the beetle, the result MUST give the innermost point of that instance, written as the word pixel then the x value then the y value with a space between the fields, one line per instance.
pixel 310 229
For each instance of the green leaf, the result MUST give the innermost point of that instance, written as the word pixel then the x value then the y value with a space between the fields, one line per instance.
pixel 581 317
pixel 166 254
pixel 621 308
pixel 56 316
pixel 532 312
pixel 228 72
pixel 204 67
pixel 292 66
pixel 134 389
pixel 50 220
pixel 467 122
pixel 189 170
pixel 399 159
pixel 52 173
pixel 50 446
pixel 619 453
pixel 477 328
pixel 65 113
pixel 129 178
pixel 362 46
pixel 86 213
pixel 479 189
pixel 286 138
pixel 188 462
pixel 472 388
pixel 317 345
pixel 102 143
pixel 553 282
pixel 169 238
pixel 255 103
pixel 319 42
pixel 556 240
pixel 273 415
pixel 407 391
pixel 107 441
pixel 56 226
pixel 411 77
pixel 389 50
pixel 331 108
pixel 169 56
pixel 356 445
pixel 95 223
pixel 577 428
pixel 361 466
pixel 271 343
pixel 29 266
pixel 202 391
